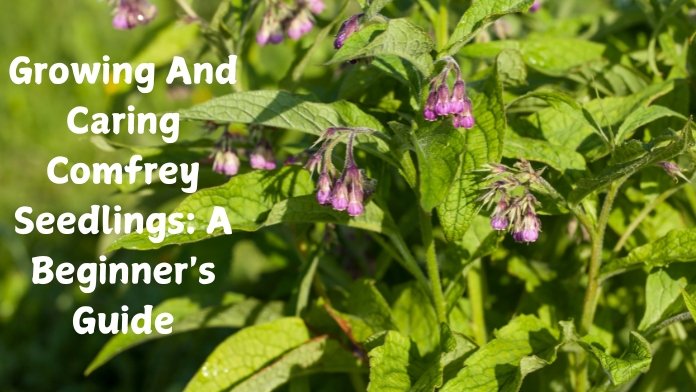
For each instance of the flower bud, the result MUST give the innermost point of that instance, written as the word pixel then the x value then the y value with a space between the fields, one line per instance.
pixel 316 6
pixel 324 189
pixel 349 26
pixel 457 104
pixel 132 13
pixel 442 106
pixel 300 25
pixel 528 229
pixel 535 7
pixel 429 110
pixel 339 196
pixel 226 162
pixel 499 220
pixel 673 170
pixel 262 157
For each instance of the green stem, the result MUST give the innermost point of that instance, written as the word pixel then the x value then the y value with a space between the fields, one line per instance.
pixel 475 288
pixel 593 283
pixel 442 26
pixel 432 266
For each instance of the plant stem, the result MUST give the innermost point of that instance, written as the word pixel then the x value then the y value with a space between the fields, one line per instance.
pixel 475 288
pixel 442 26
pixel 432 266
pixel 593 284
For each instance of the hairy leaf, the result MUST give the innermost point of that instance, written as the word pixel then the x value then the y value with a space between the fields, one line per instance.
pixel 558 157
pixel 389 364
pixel 397 37
pixel 643 116
pixel 478 16
pixel 234 312
pixel 635 361
pixel 523 346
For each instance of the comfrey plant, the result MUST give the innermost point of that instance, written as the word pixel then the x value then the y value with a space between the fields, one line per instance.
pixel 469 261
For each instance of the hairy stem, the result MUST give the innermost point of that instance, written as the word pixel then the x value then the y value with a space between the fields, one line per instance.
pixel 432 266
pixel 475 287
pixel 593 283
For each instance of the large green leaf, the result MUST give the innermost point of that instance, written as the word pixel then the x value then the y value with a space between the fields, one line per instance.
pixel 676 246
pixel 234 312
pixel 555 56
pixel 414 315
pixel 438 148
pixel 663 294
pixel 248 352
pixel 484 144
pixel 641 117
pixel 397 37
pixel 523 346
pixel 478 16
pixel 558 157
pixel 319 355
pixel 247 198
pixel 676 146
pixel 636 359
pixel 389 364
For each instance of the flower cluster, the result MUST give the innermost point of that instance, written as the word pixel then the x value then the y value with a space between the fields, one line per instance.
pixel 442 103
pixel 348 27
pixel 515 205
pixel 294 20
pixel 346 190
pixel 131 13
pixel 226 155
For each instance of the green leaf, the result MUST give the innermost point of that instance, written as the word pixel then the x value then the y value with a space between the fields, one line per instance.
pixel 478 16
pixel 319 355
pixel 289 111
pixel 365 313
pixel 678 144
pixel 549 55
pixel 247 352
pixel 484 144
pixel 247 198
pixel 690 302
pixel 676 246
pixel 511 68
pixel 662 295
pixel 234 312
pixel 523 346
pixel 375 7
pixel 641 117
pixel 636 359
pixel 397 37
pixel 558 157
pixel 438 148
pixel 414 315
pixel 389 364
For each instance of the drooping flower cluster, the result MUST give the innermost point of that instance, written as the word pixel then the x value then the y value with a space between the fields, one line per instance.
pixel 515 205
pixel 230 147
pixel 673 170
pixel 348 27
pixel 131 13
pixel 294 20
pixel 442 103
pixel 346 190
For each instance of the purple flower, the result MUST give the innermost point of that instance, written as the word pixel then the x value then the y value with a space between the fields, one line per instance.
pixel 316 6
pixel 458 99
pixel 349 26
pixel 262 158
pixel 429 110
pixel 324 188
pixel 339 196
pixel 673 170
pixel 354 181
pixel 300 25
pixel 535 7
pixel 463 121
pixel 132 13
pixel 442 107
pixel 226 162
pixel 528 229
pixel 499 220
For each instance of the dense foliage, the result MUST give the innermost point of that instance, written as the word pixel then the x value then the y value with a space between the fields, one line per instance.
pixel 426 195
